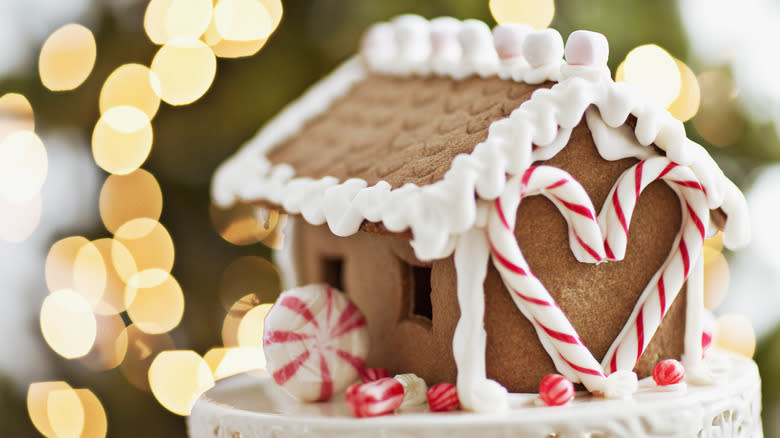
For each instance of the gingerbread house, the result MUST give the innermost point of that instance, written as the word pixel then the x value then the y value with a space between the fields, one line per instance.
pixel 478 197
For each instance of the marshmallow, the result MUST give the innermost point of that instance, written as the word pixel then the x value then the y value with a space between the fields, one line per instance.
pixel 543 47
pixel 584 47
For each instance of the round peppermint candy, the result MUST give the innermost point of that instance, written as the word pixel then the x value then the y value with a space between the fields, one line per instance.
pixel 315 341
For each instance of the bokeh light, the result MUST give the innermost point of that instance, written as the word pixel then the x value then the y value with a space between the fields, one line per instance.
pixel 276 239
pixel 244 224
pixel 232 321
pixel 127 197
pixel 187 18
pixel 226 362
pixel 110 344
pixel 142 348
pixel 122 139
pixel 715 242
pixel 155 19
pixel 38 404
pixel 654 71
pixel 249 274
pixel 242 20
pixel 23 166
pixel 95 422
pixel 151 247
pixel 685 106
pixel 66 414
pixel 68 324
pixel 154 306
pixel 537 13
pixel 735 333
pixel 250 329
pixel 718 119
pixel 178 378
pixel 16 114
pixel 186 68
pixel 61 262
pixel 19 220
pixel 716 277
pixel 90 274
pixel 131 85
pixel 119 264
pixel 67 57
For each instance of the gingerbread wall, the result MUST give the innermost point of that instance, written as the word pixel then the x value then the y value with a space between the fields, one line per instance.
pixel 378 273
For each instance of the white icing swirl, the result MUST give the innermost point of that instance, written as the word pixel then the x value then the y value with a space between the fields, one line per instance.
pixel 414 389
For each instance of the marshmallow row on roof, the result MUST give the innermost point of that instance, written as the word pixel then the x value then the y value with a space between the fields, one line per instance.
pixel 445 46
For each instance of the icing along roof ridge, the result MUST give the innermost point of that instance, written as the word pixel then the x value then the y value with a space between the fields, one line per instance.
pixel 540 127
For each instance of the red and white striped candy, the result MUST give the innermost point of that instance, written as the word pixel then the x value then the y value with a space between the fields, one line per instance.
pixel 668 372
pixel 379 397
pixel 570 355
pixel 664 286
pixel 372 374
pixel 443 397
pixel 556 390
pixel 315 342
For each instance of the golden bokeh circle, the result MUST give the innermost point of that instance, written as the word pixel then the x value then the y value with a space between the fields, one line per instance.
pixel 234 316
pixel 66 413
pixel 150 245
pixel 178 378
pixel 249 274
pixel 23 166
pixel 242 20
pixel 132 85
pixel 186 68
pixel 119 264
pixel 155 17
pixel 61 261
pixel 90 274
pixel 127 197
pixel 67 57
pixel 685 106
pixel 37 404
pixel 250 329
pixel 716 277
pixel 16 114
pixel 537 13
pixel 653 70
pixel 187 18
pixel 110 344
pixel 243 224
pixel 122 139
pixel 157 308
pixel 226 362
pixel 95 421
pixel 19 220
pixel 68 324
pixel 142 348
pixel 735 333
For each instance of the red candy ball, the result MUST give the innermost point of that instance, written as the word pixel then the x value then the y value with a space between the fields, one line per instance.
pixel 379 397
pixel 372 374
pixel 556 390
pixel 443 397
pixel 668 372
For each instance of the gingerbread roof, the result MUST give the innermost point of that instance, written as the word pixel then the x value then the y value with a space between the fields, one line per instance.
pixel 433 117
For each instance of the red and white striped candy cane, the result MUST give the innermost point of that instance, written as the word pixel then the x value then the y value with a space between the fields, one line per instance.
pixel 559 338
pixel 662 289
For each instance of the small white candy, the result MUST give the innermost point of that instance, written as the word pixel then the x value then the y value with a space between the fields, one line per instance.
pixel 542 47
pixel 410 30
pixel 414 389
pixel 621 384
pixel 508 39
pixel 475 37
pixel 444 35
pixel 587 48
pixel 379 37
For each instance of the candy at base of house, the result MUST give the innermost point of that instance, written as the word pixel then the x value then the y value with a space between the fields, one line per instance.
pixel 707 330
pixel 372 374
pixel 375 398
pixel 556 390
pixel 443 397
pixel 668 372
pixel 315 342
pixel 415 389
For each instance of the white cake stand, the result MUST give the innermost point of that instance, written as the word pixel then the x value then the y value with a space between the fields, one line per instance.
pixel 252 406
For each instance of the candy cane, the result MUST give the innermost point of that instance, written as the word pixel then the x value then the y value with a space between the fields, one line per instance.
pixel 559 338
pixel 662 289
